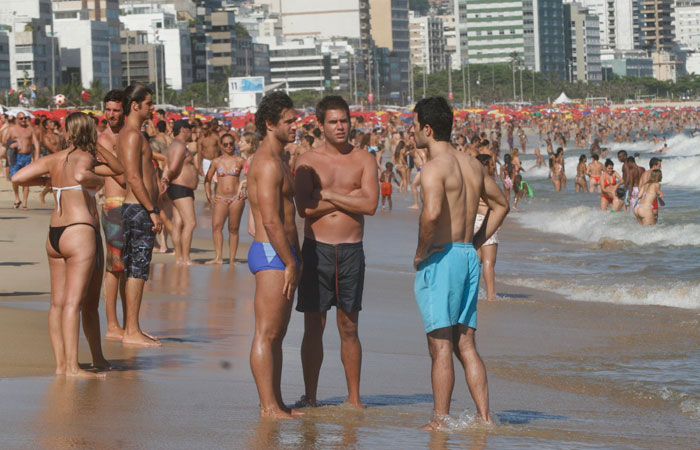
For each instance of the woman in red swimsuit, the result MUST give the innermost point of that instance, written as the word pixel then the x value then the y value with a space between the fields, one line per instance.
pixel 610 179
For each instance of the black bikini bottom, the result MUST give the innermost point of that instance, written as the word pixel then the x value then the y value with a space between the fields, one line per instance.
pixel 55 233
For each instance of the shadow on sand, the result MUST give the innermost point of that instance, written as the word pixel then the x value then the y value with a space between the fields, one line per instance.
pixel 384 400
pixel 523 416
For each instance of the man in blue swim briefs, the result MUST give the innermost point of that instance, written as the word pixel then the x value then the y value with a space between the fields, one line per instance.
pixel 336 186
pixel 272 257
pixel 25 143
pixel 448 269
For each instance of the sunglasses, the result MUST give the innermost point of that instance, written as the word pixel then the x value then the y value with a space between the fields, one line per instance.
pixel 227 144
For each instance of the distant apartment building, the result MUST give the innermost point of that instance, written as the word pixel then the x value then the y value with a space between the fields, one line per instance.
pixel 582 40
pixel 636 63
pixel 657 25
pixel 523 32
pixel 107 13
pixel 427 43
pixel 161 24
pixel 450 34
pixel 28 24
pixel 141 61
pixel 390 30
pixel 5 74
pixel 686 23
pixel 85 49
pixel 620 22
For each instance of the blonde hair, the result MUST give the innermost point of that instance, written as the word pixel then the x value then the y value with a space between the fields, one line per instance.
pixel 655 176
pixel 514 152
pixel 83 132
pixel 252 139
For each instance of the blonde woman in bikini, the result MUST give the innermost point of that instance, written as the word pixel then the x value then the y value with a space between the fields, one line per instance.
pixel 649 193
pixel 229 201
pixel 74 244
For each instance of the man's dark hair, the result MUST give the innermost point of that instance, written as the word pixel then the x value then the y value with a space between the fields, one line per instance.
pixel 270 109
pixel 317 133
pixel 179 124
pixel 595 157
pixel 134 93
pixel 331 102
pixel 654 161
pixel 115 95
pixel 436 112
pixel 484 159
pixel 623 152
pixel 310 139
pixel 161 126
pixel 227 135
pixel 161 112
pixel 630 159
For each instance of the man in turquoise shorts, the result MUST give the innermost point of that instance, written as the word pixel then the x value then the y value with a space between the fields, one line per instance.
pixel 447 278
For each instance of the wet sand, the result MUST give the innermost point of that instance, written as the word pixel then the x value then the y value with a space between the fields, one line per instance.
pixel 546 359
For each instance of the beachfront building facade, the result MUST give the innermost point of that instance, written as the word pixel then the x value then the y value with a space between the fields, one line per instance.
pixel 527 33
pixel 657 25
pixel 619 22
pixel 636 63
pixel 28 24
pixel 686 23
pixel 5 75
pixel 161 24
pixel 142 61
pixel 85 49
pixel 582 39
pixel 310 63
pixel 389 25
pixel 449 33
pixel 106 12
pixel 427 42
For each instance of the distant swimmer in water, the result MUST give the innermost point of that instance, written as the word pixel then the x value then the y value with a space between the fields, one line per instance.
pixel 540 159
pixel 654 164
pixel 581 172
pixel 649 194
pixel 663 149
pixel 610 180
pixel 595 171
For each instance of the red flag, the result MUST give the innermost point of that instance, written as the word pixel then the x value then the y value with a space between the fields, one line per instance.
pixel 85 95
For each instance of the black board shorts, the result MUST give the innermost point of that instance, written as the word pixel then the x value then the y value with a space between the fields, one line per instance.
pixel 139 239
pixel 176 191
pixel 332 275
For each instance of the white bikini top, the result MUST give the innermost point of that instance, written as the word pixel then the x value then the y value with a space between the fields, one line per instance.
pixel 77 187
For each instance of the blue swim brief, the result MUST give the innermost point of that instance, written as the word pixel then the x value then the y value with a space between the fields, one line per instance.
pixel 262 256
pixel 21 160
pixel 447 287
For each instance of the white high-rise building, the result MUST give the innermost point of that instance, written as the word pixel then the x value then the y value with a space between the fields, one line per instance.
pixel 85 48
pixel 619 22
pixel 160 23
pixel 686 21
pixel 427 42
pixel 29 42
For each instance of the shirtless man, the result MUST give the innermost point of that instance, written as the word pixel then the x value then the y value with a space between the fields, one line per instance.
pixel 419 159
pixel 114 192
pixel 447 281
pixel 180 178
pixel 595 171
pixel 207 148
pixel 635 173
pixel 272 257
pixel 52 138
pixel 26 146
pixel 336 186
pixel 622 157
pixel 140 215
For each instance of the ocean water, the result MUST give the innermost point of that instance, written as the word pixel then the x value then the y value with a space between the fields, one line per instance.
pixel 568 246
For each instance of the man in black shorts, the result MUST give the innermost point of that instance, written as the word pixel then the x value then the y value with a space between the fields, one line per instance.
pixel 336 186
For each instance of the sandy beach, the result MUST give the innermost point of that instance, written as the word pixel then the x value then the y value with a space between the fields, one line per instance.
pixel 557 368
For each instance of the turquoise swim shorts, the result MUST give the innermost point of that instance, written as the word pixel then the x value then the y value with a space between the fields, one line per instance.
pixel 447 287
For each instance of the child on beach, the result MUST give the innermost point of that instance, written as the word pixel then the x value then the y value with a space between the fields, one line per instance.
pixel 385 178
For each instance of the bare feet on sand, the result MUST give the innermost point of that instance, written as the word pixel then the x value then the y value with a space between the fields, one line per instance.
pixel 279 413
pixel 114 334
pixel 80 373
pixel 102 365
pixel 414 206
pixel 215 261
pixel 492 299
pixel 140 340
pixel 186 262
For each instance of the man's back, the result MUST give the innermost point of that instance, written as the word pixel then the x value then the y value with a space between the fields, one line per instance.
pixel 461 177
